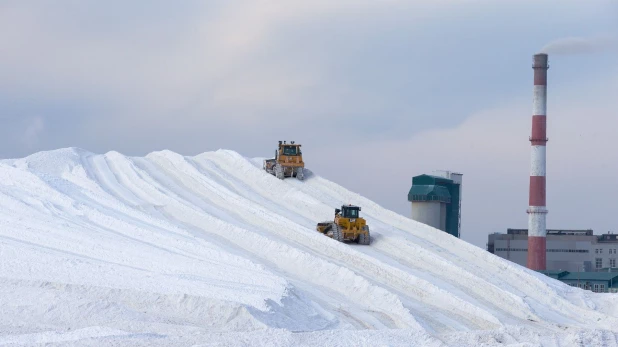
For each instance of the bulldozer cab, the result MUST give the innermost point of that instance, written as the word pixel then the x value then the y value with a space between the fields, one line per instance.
pixel 348 211
pixel 288 149
pixel 291 150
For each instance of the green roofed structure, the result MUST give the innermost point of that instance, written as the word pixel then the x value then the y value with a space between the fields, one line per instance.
pixel 555 274
pixel 436 201
pixel 598 282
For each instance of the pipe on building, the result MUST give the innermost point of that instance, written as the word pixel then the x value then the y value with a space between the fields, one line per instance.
pixel 537 211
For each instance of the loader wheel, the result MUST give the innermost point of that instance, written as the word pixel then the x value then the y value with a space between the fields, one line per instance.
pixel 300 173
pixel 337 233
pixel 363 239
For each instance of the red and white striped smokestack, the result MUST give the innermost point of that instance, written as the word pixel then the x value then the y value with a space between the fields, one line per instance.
pixel 537 211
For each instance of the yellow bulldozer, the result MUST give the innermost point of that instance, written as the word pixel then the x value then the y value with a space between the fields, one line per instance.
pixel 288 161
pixel 347 226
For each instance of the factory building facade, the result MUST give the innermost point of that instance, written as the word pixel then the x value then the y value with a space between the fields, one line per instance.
pixel 436 200
pixel 567 250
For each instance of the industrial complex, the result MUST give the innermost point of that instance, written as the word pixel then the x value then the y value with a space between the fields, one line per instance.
pixel 577 257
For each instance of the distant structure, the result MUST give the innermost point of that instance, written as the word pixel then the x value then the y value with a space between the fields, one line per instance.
pixel 598 282
pixel 436 200
pixel 567 250
pixel 537 207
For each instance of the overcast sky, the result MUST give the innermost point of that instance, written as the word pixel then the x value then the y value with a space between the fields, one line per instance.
pixel 376 91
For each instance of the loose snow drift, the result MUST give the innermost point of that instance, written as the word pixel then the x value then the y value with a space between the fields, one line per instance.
pixel 212 250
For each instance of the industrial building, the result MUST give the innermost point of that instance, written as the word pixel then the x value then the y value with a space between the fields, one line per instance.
pixel 436 200
pixel 567 250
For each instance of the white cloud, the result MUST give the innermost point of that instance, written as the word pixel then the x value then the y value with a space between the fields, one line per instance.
pixel 158 68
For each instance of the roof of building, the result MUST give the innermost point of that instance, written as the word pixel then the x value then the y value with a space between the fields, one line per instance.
pixel 430 188
pixel 429 193
pixel 608 238
pixel 430 179
pixel 554 273
pixel 590 276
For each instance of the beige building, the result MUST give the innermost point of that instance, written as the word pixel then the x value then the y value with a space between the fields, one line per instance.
pixel 567 250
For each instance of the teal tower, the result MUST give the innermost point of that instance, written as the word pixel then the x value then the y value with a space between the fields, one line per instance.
pixel 436 201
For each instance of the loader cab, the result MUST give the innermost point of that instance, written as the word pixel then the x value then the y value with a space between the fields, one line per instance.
pixel 348 211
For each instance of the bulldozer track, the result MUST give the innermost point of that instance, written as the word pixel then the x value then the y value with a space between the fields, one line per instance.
pixel 336 232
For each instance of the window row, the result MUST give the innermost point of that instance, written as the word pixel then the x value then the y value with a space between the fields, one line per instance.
pixel 600 251
pixel 597 288
pixel 598 262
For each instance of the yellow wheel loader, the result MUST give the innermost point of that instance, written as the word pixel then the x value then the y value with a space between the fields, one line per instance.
pixel 288 161
pixel 347 226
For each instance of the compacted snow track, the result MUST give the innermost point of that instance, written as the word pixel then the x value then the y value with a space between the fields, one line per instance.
pixel 166 249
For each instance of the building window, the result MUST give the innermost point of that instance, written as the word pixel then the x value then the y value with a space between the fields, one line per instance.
pixel 612 262
pixel 601 288
pixel 599 263
pixel 596 288
pixel 596 250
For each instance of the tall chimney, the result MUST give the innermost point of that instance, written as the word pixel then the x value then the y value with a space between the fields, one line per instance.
pixel 537 209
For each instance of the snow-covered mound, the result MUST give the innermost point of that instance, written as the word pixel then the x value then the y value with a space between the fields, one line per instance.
pixel 172 250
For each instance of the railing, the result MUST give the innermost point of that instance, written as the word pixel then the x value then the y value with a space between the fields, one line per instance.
pixel 421 198
pixel 607 290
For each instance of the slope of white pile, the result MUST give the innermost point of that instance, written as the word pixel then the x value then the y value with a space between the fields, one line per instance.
pixel 210 250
